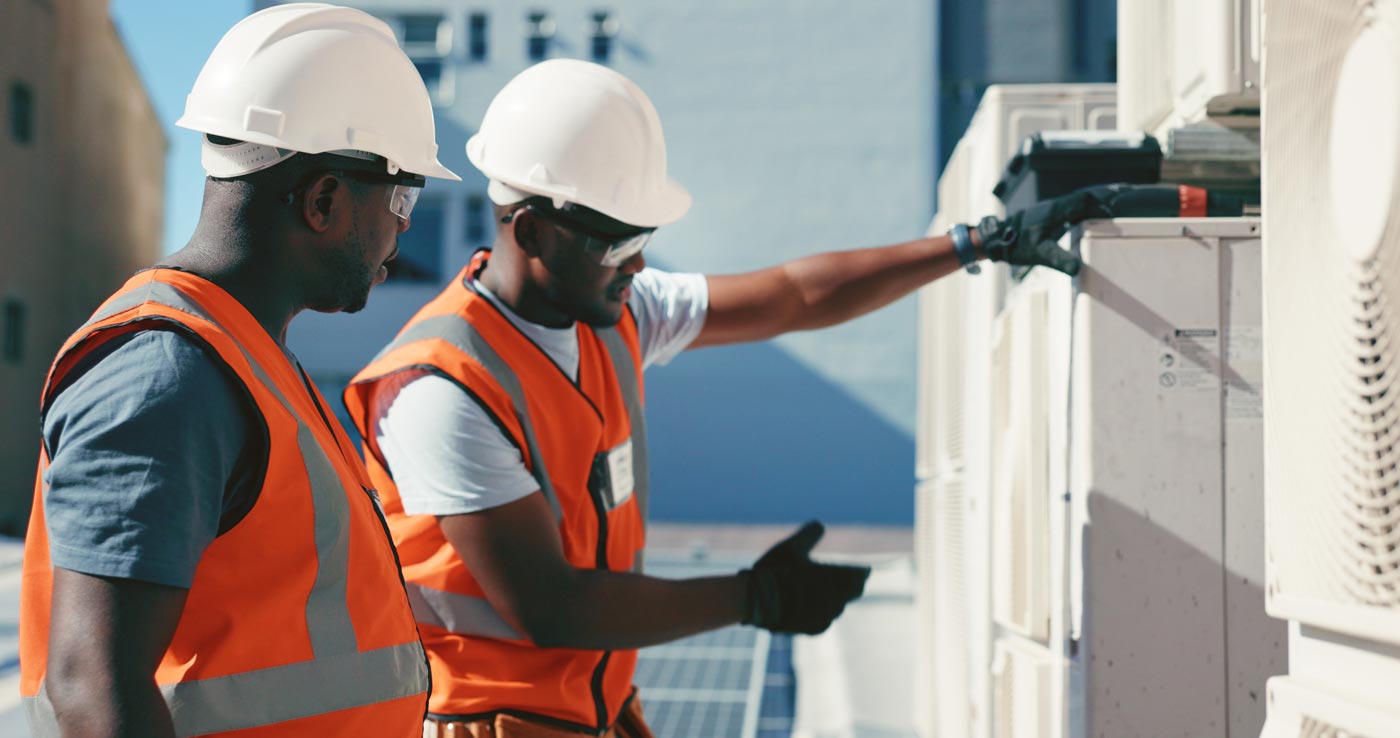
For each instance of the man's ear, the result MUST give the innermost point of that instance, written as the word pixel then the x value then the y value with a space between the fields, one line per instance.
pixel 322 201
pixel 526 230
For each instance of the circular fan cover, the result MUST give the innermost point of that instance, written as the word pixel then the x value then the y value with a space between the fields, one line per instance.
pixel 1332 285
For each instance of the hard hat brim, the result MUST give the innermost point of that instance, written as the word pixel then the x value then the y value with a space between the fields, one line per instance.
pixel 664 207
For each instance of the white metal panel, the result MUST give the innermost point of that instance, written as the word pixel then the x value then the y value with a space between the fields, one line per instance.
pixel 1144 58
pixel 925 653
pixel 1255 644
pixel 953 643
pixel 1180 60
pixel 1358 669
pixel 1020 492
pixel 1024 679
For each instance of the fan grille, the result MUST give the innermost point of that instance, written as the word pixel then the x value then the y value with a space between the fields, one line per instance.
pixel 1331 376
pixel 1365 512
pixel 952 629
pixel 1313 728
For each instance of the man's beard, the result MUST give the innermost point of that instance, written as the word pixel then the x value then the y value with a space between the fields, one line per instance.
pixel 349 279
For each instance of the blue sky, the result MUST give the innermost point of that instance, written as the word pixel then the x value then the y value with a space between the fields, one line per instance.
pixel 169 41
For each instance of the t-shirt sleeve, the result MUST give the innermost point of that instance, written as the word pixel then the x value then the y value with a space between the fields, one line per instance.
pixel 447 455
pixel 144 438
pixel 670 310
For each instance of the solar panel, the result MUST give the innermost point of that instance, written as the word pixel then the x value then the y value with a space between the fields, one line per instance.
pixel 712 685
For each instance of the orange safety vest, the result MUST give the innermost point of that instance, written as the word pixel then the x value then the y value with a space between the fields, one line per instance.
pixel 574 439
pixel 296 623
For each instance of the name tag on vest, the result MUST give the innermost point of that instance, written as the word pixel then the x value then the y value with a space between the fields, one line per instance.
pixel 612 479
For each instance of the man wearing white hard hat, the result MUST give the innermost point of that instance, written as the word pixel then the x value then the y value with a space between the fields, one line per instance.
pixel 206 555
pixel 504 425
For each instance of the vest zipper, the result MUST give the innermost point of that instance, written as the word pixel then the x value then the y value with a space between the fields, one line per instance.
pixel 403 584
pixel 373 496
pixel 600 703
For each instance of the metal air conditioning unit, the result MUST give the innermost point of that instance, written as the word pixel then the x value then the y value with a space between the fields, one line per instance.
pixel 1180 61
pixel 1127 504
pixel 954 425
pixel 1331 144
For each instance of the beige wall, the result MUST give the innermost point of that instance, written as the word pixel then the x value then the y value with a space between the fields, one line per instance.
pixel 81 204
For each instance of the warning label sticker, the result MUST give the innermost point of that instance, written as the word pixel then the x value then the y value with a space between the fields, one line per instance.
pixel 1189 360
pixel 1244 373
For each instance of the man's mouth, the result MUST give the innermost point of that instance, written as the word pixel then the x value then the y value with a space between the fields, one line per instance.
pixel 620 290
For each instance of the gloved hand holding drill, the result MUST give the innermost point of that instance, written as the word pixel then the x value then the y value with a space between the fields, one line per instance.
pixel 791 593
pixel 1029 237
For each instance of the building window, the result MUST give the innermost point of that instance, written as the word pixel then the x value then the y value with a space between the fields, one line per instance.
pixel 476 37
pixel 478 214
pixel 426 34
pixel 605 28
pixel 431 72
pixel 13 340
pixel 427 39
pixel 21 112
pixel 541 33
pixel 420 247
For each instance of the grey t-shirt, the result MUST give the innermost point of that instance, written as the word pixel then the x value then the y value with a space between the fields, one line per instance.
pixel 155 449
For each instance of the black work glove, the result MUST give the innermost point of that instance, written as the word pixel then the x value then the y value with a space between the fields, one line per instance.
pixel 1028 237
pixel 790 593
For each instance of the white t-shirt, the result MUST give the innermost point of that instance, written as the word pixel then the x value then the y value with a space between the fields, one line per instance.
pixel 448 457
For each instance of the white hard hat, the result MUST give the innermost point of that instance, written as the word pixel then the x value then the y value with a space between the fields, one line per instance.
pixel 578 132
pixel 312 78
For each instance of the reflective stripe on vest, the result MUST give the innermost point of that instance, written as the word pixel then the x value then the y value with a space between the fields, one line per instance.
pixel 626 373
pixel 458 333
pixel 340 677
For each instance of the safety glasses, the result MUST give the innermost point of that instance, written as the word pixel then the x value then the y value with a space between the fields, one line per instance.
pixel 608 251
pixel 400 199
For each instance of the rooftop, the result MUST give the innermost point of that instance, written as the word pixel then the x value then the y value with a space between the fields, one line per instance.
pixel 854 681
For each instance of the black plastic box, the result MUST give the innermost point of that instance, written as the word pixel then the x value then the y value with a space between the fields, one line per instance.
pixel 1052 163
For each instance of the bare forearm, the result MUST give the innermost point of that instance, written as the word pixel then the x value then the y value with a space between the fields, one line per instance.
pixel 613 610
pixel 838 286
pixel 106 638
pixel 820 290
pixel 90 706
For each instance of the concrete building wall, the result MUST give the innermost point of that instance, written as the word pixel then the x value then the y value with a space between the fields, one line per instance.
pixel 82 202
pixel 799 126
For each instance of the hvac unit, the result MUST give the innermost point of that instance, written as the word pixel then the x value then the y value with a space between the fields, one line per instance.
pixel 954 423
pixel 1299 711
pixel 1023 679
pixel 1182 60
pixel 1331 144
pixel 957 310
pixel 939 420
pixel 1009 113
pixel 926 541
pixel 1020 468
pixel 949 629
pixel 1132 454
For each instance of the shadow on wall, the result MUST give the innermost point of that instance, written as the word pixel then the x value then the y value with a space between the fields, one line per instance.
pixel 1178 639
pixel 749 434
